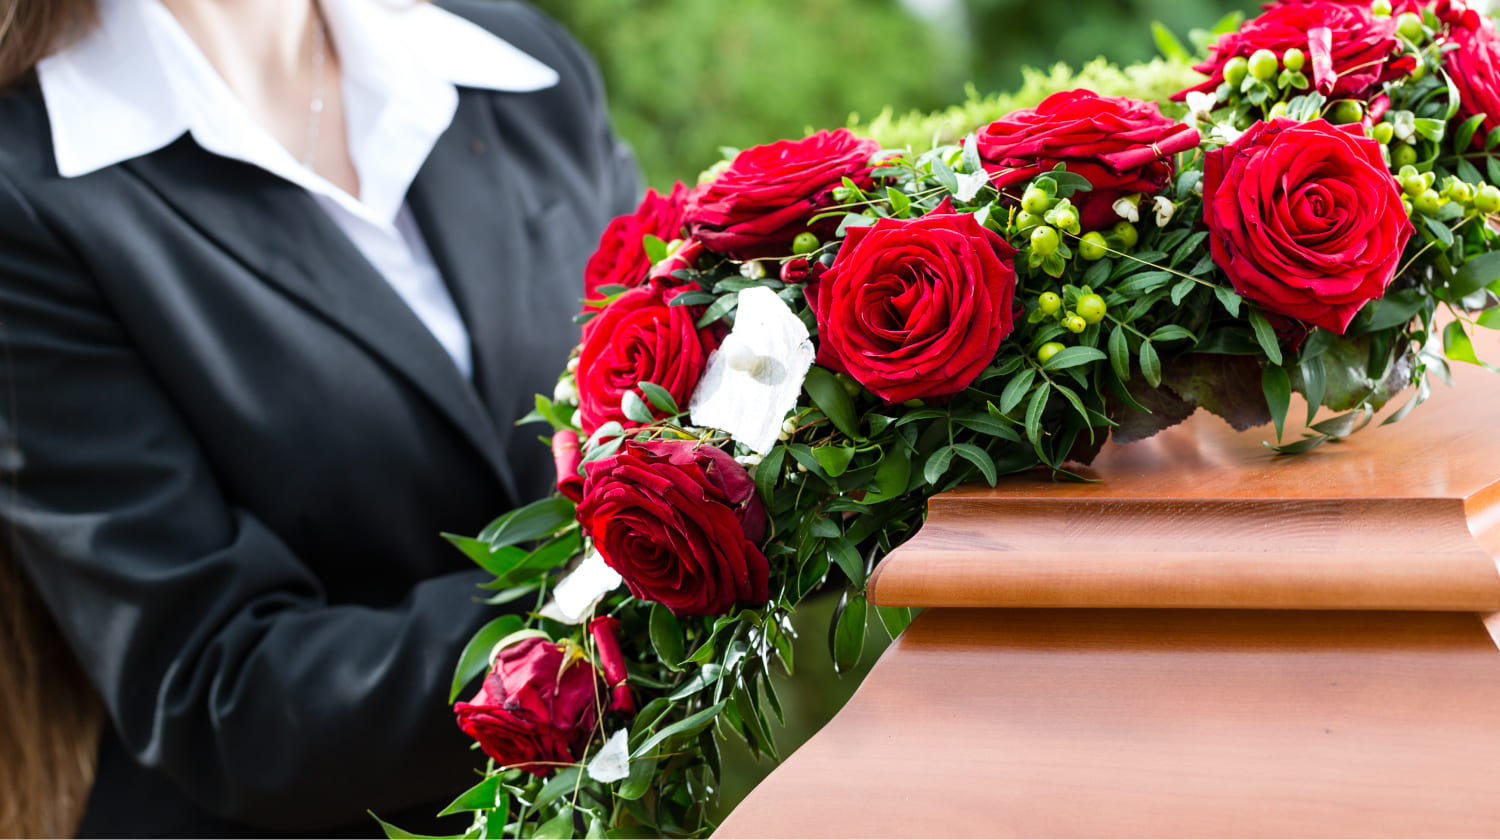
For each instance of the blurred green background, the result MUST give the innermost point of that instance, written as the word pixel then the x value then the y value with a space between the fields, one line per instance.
pixel 686 77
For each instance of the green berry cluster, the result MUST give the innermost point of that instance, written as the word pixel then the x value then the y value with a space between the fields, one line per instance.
pixel 1419 193
pixel 1076 309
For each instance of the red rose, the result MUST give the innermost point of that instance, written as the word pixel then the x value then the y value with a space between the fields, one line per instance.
pixel 1397 6
pixel 916 308
pixel 758 205
pixel 1120 145
pixel 639 337
pixel 566 457
pixel 535 709
pixel 606 632
pixel 1474 68
pixel 1348 49
pixel 680 522
pixel 621 257
pixel 1305 219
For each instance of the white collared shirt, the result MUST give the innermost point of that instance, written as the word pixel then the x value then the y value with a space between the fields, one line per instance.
pixel 137 82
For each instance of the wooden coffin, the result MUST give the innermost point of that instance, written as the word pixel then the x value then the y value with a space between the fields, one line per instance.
pixel 1210 640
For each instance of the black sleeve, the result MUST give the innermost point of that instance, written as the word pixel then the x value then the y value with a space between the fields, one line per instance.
pixel 219 658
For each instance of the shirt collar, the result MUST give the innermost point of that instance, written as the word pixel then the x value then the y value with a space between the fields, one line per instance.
pixel 120 92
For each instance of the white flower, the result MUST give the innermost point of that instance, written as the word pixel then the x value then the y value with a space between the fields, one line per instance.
pixel 1127 208
pixel 1226 134
pixel 1201 105
pixel 753 379
pixel 752 270
pixel 1405 124
pixel 613 761
pixel 1164 209
pixel 576 595
pixel 969 184
pixel 750 461
pixel 566 391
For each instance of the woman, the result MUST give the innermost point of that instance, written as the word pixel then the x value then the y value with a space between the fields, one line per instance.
pixel 276 281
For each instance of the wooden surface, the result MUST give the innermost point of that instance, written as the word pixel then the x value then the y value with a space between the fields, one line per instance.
pixel 1155 723
pixel 1405 516
pixel 1309 651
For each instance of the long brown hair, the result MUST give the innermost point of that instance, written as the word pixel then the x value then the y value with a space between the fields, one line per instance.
pixel 30 30
pixel 49 717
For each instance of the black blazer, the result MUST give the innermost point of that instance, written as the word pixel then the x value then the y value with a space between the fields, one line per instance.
pixel 229 447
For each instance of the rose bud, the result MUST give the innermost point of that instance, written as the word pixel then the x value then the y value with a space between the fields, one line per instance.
pixel 566 456
pixel 605 630
pixel 536 708
pixel 685 256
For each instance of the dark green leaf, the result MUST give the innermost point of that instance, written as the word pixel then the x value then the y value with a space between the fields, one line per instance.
pixel 1230 300
pixel 559 827
pixel 768 471
pixel 1314 382
pixel 835 459
pixel 1016 389
pixel 847 635
pixel 1474 275
pixel 690 725
pixel 724 305
pixel 944 175
pixel 1277 387
pixel 1069 357
pixel 1265 336
pixel 985 424
pixel 1173 332
pixel 1465 134
pixel 846 557
pixel 825 528
pixel 1144 282
pixel 660 397
pixel 691 298
pixel 1119 353
pixel 894 619
pixel 1304 445
pixel 892 476
pixel 1150 364
pixel 476 550
pixel 635 408
pixel 1034 411
pixel 1181 289
pixel 1492 139
pixel 1492 166
pixel 979 458
pixel 1439 230
pixel 528 523
pixel 937 465
pixel 596 829
pixel 829 396
pixel 394 833
pixel 475 658
pixel 1343 425
pixel 563 784
pixel 480 797
pixel 1396 309
pixel 1467 172
pixel 666 637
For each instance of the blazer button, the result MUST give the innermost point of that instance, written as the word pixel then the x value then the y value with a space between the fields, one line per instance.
pixel 477 147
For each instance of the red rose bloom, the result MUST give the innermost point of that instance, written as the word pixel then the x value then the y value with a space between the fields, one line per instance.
pixel 917 308
pixel 1474 68
pixel 758 205
pixel 531 708
pixel 680 522
pixel 639 337
pixel 1397 6
pixel 1305 219
pixel 620 259
pixel 1348 49
pixel 1120 145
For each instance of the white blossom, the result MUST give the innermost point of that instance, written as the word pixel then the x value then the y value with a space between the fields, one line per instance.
pixel 576 595
pixel 1127 208
pixel 1164 209
pixel 613 761
pixel 970 183
pixel 753 379
pixel 1200 106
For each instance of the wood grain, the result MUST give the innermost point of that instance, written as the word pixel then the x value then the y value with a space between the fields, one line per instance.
pixel 1162 723
pixel 1405 516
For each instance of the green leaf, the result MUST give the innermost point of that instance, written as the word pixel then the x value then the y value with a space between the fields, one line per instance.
pixel 1396 309
pixel 846 557
pixel 690 725
pixel 1181 289
pixel 985 424
pixel 476 550
pixel 635 408
pixel 829 396
pixel 892 476
pixel 1144 282
pixel 724 305
pixel 596 829
pixel 1119 353
pixel 1314 383
pixel 1171 48
pixel 1466 172
pixel 894 619
pixel 1015 390
pixel 1474 275
pixel 1070 357
pixel 1173 332
pixel 1492 139
pixel 1489 319
pixel 395 833
pixel 1456 344
pixel 1492 166
pixel 1465 134
pixel 660 397
pixel 547 410
pixel 900 202
pixel 1277 387
pixel 847 635
pixel 1431 129
pixel 480 797
pixel 563 784
pixel 666 637
pixel 656 249
pixel 642 774
pixel 475 658
pixel 559 827
pixel 835 459
pixel 1439 230
pixel 1150 364
pixel 768 471
pixel 1034 411
pixel 1230 300
pixel 1265 336
pixel 937 465
pixel 524 524
pixel 944 175
pixel 1306 444
pixel 979 458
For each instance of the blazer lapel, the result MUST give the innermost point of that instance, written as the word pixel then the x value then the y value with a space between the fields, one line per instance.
pixel 280 233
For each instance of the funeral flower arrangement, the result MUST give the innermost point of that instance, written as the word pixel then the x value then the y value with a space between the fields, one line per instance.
pixel 780 364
